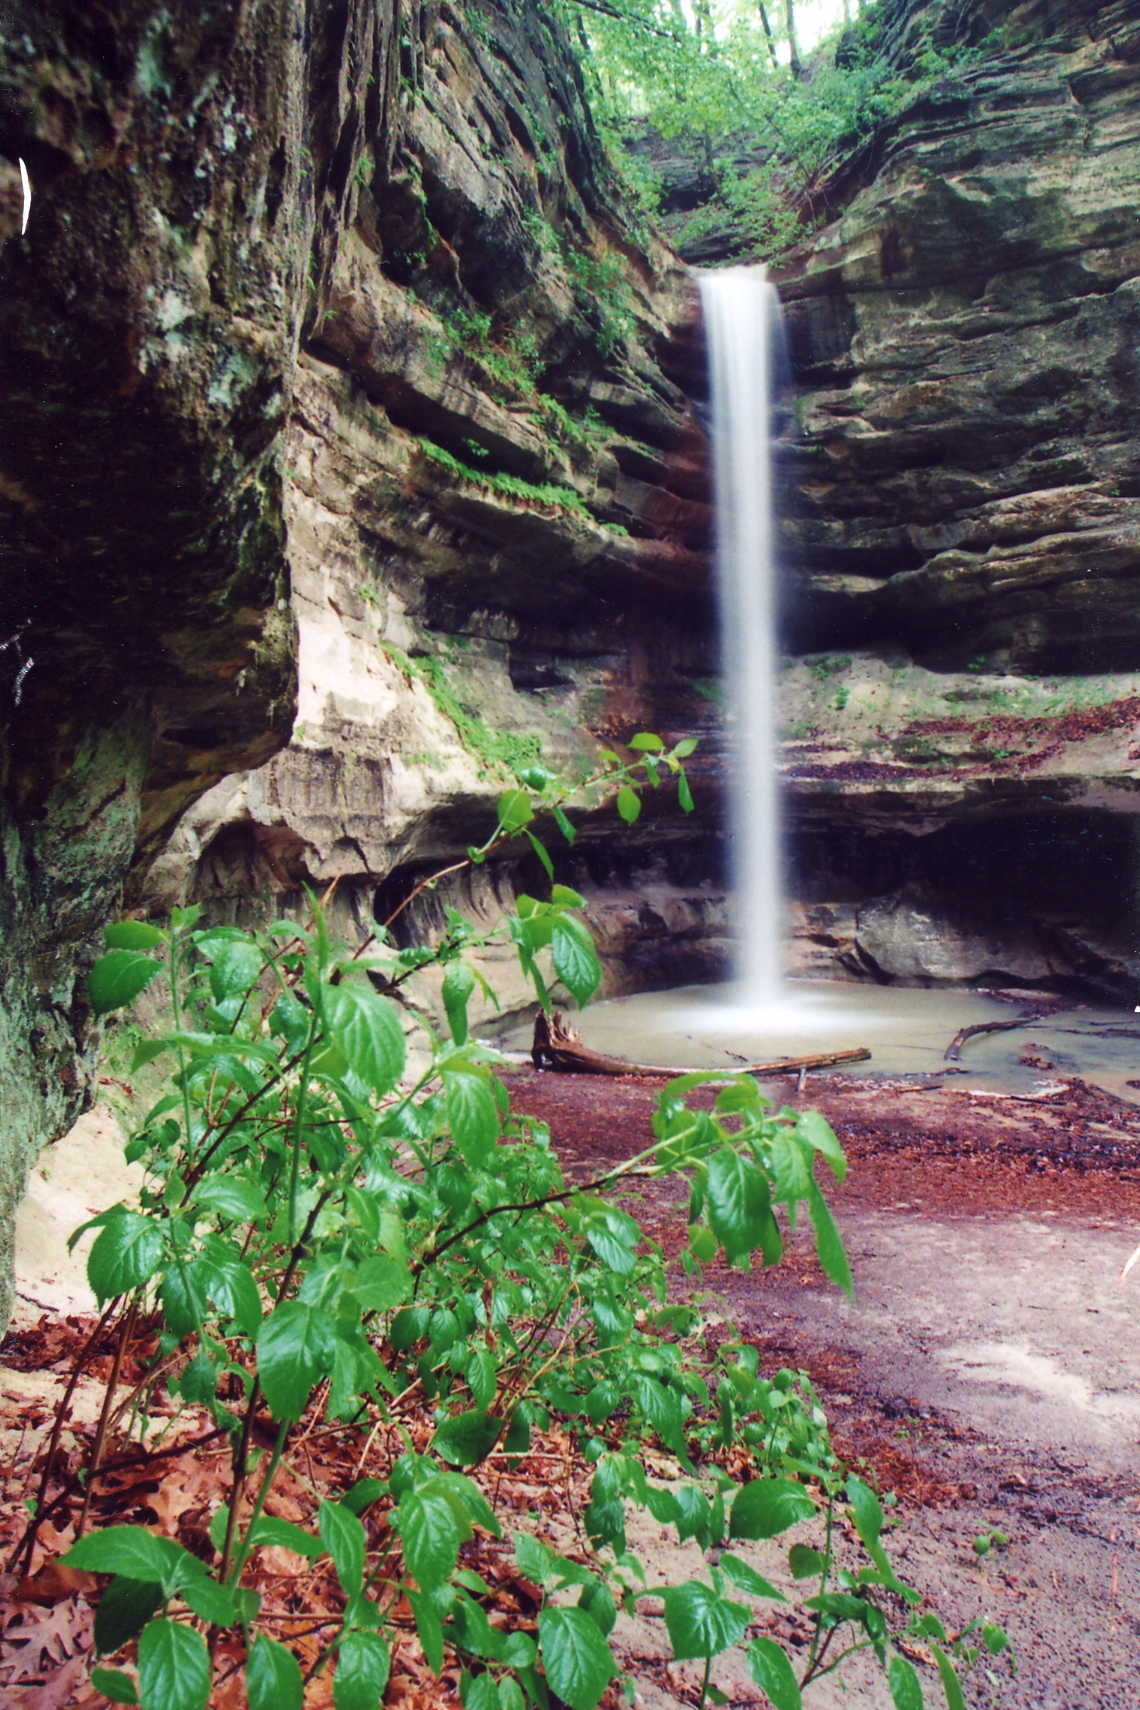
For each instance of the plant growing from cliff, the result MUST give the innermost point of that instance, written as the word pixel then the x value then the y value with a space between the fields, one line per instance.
pixel 543 494
pixel 330 1244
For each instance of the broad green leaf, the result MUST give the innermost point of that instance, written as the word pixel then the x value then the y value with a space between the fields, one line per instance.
pixel 117 978
pixel 515 810
pixel 791 1171
pixel 363 1494
pixel 773 1673
pixel 865 1510
pixel 684 794
pixel 429 1628
pixel 174 1667
pixel 124 1610
pixel 576 1658
pixel 472 1113
pixel 363 1662
pixel 645 742
pixel 598 1601
pixel 738 1201
pixel 235 966
pixel 273 1676
pixel 458 984
pixel 479 1692
pixel 542 852
pixel 185 1296
pixel 135 1553
pixel 230 1285
pixel 767 1507
pixel 575 958
pixel 235 1197
pixel 431 1532
pixel 128 1250
pixel 951 1686
pixel 465 1439
pixel 482 1374
pixel 367 1029
pixel 533 1558
pixel 805 1562
pixel 296 1346
pixel 114 1685
pixel 614 1238
pixel 701 1623
pixel 662 1408
pixel 286 1536
pixel 816 1130
pixel 209 1600
pixel 343 1537
pixel 744 1575
pixel 381 1283
pixel 906 1688
pixel 842 1606
pixel 628 804
pixel 133 935
pixel 829 1242
pixel 564 825
pixel 566 898
pixel 687 745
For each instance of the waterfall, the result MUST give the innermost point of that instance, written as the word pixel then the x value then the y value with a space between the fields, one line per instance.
pixel 741 313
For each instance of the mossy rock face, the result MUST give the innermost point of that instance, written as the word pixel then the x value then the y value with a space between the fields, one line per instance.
pixel 189 189
pixel 274 251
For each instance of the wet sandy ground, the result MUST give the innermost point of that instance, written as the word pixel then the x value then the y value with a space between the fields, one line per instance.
pixel 989 1368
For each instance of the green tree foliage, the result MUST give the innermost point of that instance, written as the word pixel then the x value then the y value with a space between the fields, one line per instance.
pixel 729 77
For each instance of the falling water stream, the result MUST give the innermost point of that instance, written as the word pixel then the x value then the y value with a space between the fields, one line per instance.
pixel 741 315
pixel 761 1015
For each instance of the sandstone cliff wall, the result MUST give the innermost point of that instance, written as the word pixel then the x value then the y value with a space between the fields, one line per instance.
pixel 330 332
pixel 962 533
pixel 497 523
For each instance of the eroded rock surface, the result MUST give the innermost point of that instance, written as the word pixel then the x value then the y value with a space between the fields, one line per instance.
pixel 962 527
pixel 497 519
pixel 190 170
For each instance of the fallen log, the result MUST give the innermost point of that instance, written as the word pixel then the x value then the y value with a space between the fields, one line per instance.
pixel 557 1047
pixel 954 1050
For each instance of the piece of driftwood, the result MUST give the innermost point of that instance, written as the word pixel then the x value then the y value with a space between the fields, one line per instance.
pixel 954 1050
pixel 558 1047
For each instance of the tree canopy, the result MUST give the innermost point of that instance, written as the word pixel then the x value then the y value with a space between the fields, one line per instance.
pixel 730 78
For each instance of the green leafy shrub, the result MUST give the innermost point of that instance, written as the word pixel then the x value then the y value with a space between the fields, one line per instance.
pixel 324 1233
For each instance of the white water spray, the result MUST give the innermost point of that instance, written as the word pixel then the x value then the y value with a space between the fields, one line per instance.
pixel 741 313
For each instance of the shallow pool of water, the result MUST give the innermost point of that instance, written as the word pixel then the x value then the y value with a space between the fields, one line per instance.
pixel 907 1031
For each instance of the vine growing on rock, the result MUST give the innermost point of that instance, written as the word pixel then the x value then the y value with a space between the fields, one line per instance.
pixel 340 1235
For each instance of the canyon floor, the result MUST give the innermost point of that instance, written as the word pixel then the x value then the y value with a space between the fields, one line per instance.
pixel 988 1370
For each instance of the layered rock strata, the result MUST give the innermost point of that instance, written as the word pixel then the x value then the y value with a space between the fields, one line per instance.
pixel 962 533
pixel 497 523
pixel 328 325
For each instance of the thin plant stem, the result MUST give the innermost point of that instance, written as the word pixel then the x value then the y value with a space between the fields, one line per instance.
pixel 125 1332
pixel 241 1555
pixel 27 1543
